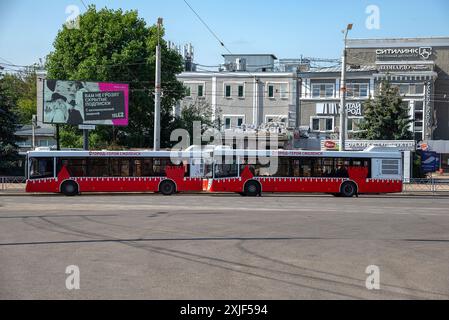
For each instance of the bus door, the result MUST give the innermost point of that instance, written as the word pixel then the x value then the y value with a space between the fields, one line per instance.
pixel 196 168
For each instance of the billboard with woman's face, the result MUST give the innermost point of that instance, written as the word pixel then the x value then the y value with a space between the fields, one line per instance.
pixel 79 102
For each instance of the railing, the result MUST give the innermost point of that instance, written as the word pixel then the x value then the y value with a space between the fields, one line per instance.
pixel 12 183
pixel 428 185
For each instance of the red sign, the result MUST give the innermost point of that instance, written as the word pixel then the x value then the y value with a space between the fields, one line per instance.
pixel 330 144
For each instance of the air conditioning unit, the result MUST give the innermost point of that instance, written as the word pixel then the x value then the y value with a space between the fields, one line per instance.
pixel 240 64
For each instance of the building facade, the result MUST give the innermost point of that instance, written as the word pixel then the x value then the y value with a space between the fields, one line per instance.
pixel 243 99
pixel 320 100
pixel 420 67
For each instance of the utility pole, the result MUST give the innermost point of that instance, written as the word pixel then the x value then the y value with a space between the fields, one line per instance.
pixel 157 92
pixel 342 140
pixel 33 130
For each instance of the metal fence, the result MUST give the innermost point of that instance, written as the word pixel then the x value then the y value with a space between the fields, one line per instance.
pixel 12 183
pixel 429 185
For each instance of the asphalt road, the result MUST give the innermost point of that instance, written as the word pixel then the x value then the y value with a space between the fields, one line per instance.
pixel 223 247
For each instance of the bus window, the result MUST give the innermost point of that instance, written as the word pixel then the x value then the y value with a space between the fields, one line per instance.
pixel 76 167
pixel 98 167
pixel 283 167
pixel 306 167
pixel 120 167
pixel 226 170
pixel 295 167
pixel 328 167
pixel 41 168
pixel 147 168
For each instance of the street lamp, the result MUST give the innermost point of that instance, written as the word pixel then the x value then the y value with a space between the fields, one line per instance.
pixel 342 140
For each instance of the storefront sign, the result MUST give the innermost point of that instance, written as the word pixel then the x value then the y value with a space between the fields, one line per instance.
pixel 404 67
pixel 420 53
pixel 354 109
pixel 360 145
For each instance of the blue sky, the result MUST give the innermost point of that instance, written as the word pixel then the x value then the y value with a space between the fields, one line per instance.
pixel 287 28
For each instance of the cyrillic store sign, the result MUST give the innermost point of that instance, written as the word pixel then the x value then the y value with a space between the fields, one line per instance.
pixel 404 67
pixel 353 109
pixel 419 53
pixel 360 145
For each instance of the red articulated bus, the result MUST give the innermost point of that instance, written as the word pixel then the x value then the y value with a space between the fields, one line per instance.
pixel 75 172
pixel 344 174
pixel 247 172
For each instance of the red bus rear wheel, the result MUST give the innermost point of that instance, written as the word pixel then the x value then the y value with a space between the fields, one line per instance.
pixel 252 189
pixel 167 188
pixel 348 189
pixel 69 188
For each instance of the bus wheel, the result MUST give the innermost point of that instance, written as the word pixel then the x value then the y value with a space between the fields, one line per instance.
pixel 69 188
pixel 252 189
pixel 167 188
pixel 348 189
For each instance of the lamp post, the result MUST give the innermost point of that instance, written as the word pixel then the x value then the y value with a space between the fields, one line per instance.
pixel 342 140
pixel 157 92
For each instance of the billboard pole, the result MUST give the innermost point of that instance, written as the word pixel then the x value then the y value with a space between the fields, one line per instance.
pixel 58 143
pixel 85 140
pixel 157 92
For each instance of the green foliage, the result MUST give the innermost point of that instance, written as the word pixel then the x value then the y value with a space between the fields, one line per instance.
pixel 72 138
pixel 8 126
pixel 23 93
pixel 386 117
pixel 198 111
pixel 118 46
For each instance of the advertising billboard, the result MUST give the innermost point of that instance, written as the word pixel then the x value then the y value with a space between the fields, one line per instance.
pixel 430 161
pixel 85 103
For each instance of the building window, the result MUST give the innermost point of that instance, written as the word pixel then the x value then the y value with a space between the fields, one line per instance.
pixel 241 92
pixel 329 124
pixel 200 90
pixel 418 88
pixel 354 123
pixel 315 124
pixel 228 91
pixel 188 92
pixel 322 124
pixel 410 89
pixel 239 122
pixel 418 119
pixel 227 123
pixel 323 90
pixel 270 91
pixel 284 91
pixel 357 90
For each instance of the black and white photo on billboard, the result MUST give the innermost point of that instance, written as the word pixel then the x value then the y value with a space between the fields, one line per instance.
pixel 63 101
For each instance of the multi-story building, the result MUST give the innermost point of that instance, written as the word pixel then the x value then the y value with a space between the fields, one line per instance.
pixel 320 99
pixel 240 97
pixel 418 66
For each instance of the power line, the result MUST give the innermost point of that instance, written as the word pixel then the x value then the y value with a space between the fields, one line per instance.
pixel 84 5
pixel 207 26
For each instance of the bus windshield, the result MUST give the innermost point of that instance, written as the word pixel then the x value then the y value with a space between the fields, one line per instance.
pixel 41 168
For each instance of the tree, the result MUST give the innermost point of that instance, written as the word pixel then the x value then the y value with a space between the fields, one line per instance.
pixel 386 117
pixel 8 126
pixel 22 88
pixel 117 46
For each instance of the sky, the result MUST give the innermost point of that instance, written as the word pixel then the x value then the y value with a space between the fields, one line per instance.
pixel 286 28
